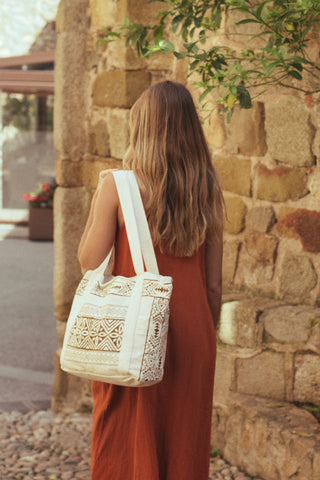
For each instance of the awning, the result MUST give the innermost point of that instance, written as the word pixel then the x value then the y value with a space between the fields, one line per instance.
pixel 18 76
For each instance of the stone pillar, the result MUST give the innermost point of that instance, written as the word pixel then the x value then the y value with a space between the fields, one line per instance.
pixel 96 85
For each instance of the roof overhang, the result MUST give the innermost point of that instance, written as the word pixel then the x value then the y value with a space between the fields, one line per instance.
pixel 17 75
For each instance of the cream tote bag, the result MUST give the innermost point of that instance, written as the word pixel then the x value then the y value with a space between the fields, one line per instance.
pixel 117 328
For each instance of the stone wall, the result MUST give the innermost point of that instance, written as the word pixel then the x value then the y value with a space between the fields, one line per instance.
pixel 268 161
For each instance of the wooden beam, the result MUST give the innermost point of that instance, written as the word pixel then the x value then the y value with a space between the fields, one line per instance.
pixel 35 58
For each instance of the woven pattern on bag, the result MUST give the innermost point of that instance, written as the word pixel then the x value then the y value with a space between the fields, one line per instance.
pixel 100 328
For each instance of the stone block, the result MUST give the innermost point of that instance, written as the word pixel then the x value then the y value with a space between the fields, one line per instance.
pixel 119 88
pixel 305 225
pixel 260 219
pixel 253 273
pixel 98 136
pixel 60 380
pixel 297 278
pixel 230 260
pixel 235 174
pixel 314 342
pixel 118 122
pixel 289 131
pixel 245 133
pixel 72 16
pixel 288 324
pixel 70 94
pixel 269 440
pixel 240 324
pixel 225 379
pixel 61 328
pixel 106 14
pixel 280 184
pixel 236 211
pixel 120 57
pixel 213 128
pixel 307 378
pixel 314 183
pixel 261 246
pixel 262 375
pixel 70 216
pixel 84 171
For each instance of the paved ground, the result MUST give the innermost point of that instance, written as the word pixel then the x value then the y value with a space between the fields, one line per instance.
pixel 28 336
pixel 35 443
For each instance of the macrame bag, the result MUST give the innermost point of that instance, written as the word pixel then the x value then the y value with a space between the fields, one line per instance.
pixel 117 328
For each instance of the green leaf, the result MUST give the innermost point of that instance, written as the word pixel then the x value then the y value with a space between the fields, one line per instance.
pixel 158 34
pixel 166 45
pixel 176 22
pixel 295 74
pixel 244 97
pixel 180 55
pixel 194 64
pixel 247 20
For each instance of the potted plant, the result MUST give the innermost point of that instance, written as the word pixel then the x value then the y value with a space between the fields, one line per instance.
pixel 41 211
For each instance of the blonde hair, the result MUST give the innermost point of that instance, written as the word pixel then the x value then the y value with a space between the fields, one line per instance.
pixel 169 153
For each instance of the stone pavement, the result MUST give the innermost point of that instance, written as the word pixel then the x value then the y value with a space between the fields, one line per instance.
pixel 42 445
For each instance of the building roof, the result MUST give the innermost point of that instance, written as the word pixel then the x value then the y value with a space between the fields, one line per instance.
pixel 32 73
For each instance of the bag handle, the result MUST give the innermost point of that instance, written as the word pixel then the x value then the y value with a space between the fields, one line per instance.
pixel 136 223
pixel 147 249
pixel 139 238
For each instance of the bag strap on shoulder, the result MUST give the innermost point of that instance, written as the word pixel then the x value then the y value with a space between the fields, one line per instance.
pixel 140 242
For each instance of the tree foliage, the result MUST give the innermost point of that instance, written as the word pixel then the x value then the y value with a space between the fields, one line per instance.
pixel 274 53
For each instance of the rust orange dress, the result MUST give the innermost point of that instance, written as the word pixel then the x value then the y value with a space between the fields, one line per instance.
pixel 162 432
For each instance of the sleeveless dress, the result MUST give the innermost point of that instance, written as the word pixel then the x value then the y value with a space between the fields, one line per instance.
pixel 162 432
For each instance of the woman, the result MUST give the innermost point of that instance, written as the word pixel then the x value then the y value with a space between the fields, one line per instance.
pixel 162 432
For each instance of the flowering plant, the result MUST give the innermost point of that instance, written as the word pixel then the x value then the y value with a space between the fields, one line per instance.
pixel 42 197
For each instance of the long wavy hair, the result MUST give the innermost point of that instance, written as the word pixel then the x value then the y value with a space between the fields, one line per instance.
pixel 169 153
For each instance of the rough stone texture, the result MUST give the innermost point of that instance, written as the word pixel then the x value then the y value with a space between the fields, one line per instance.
pixel 107 14
pixel 288 324
pixel 314 183
pixel 240 324
pixel 272 440
pixel 245 133
pixel 298 277
pixel 236 211
pixel 289 131
pixel 213 129
pixel 280 184
pixel 119 88
pixel 307 378
pixel 110 13
pixel 230 260
pixel 262 375
pixel 70 86
pixel 260 219
pixel 120 57
pixel 43 445
pixel 235 174
pixel 72 16
pixel 305 224
pixel 83 171
pixel 70 215
pixel 261 246
pixel 314 342
pixel 98 136
pixel 252 273
pixel 118 121
pixel 225 376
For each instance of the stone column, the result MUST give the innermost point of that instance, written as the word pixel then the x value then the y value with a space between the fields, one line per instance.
pixel 96 85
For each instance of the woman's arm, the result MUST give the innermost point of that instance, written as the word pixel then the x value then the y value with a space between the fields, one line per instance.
pixel 100 231
pixel 213 263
